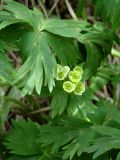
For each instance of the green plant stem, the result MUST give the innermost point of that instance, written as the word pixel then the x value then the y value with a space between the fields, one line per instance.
pixel 115 53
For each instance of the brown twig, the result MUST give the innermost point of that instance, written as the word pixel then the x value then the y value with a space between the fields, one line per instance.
pixel 33 3
pixel 71 11
pixel 41 5
pixel 1 3
pixel 15 58
pixel 106 92
pixel 53 7
pixel 26 3
pixel 57 11
pixel 40 110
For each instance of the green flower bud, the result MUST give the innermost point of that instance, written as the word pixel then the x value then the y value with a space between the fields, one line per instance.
pixel 75 76
pixel 79 69
pixel 68 86
pixel 80 88
pixel 62 72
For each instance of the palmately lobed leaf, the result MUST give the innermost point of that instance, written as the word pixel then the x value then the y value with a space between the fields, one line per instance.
pixel 59 102
pixel 49 40
pixel 36 64
pixel 72 136
pixel 34 45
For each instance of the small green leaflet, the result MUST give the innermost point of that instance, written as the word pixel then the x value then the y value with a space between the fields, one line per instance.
pixel 109 140
pixel 81 105
pixel 28 131
pixel 59 102
pixel 6 69
pixel 64 49
pixel 65 28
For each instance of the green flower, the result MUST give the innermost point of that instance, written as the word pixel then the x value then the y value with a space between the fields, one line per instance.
pixel 62 72
pixel 79 69
pixel 80 88
pixel 68 86
pixel 75 76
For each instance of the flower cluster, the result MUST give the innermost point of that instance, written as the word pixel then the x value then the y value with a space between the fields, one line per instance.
pixel 72 79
